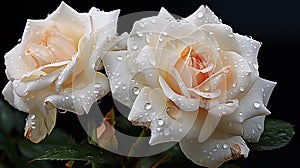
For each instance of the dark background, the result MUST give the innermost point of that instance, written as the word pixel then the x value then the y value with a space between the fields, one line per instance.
pixel 275 23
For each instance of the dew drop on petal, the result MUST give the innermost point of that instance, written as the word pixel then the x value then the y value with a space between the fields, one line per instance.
pixel 255 65
pixel 119 58
pixel 140 34
pixel 134 47
pixel 200 15
pixel 97 85
pixel 256 105
pixel 225 146
pixel 242 89
pixel 136 90
pixel 166 132
pixel 160 122
pixel 259 126
pixel 153 20
pixel 147 106
pixel 32 117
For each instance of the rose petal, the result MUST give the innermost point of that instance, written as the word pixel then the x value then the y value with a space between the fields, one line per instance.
pixel 22 88
pixel 164 128
pixel 209 125
pixel 224 36
pixel 70 22
pixel 80 101
pixel 38 125
pixel 180 82
pixel 148 105
pixel 203 15
pixel 146 32
pixel 16 63
pixel 121 84
pixel 253 128
pixel 216 150
pixel 238 80
pixel 105 27
pixel 249 51
pixel 103 19
pixel 8 93
pixel 252 104
pixel 186 104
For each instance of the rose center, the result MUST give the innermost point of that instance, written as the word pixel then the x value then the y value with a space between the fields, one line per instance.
pixel 197 63
pixel 52 47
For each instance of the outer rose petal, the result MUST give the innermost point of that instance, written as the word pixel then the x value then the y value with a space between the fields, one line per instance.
pixel 70 22
pixel 166 121
pixel 253 128
pixel 150 29
pixel 38 125
pixel 203 15
pixel 216 150
pixel 252 105
pixel 80 101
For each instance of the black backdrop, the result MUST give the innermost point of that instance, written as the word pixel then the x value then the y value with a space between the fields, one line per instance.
pixel 275 23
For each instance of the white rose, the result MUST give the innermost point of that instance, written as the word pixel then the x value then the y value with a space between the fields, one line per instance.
pixel 192 81
pixel 53 67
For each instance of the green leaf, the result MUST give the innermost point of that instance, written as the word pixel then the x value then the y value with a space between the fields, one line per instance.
pixel 277 134
pixel 80 152
pixel 55 139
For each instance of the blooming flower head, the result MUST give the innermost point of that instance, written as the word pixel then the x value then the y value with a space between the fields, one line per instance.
pixel 192 81
pixel 53 67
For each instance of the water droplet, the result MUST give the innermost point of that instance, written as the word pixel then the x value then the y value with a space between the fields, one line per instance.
pixel 134 47
pixel 152 61
pixel 255 65
pixel 230 35
pixel 172 112
pixel 158 129
pixel 153 20
pixel 259 126
pixel 97 85
pixel 136 90
pixel 16 85
pixel 142 24
pixel 211 33
pixel 240 113
pixel 256 105
pixel 242 89
pixel 225 146
pixel 139 34
pixel 32 117
pixel 160 122
pixel 167 132
pixel 200 15
pixel 119 58
pixel 234 84
pixel 148 106
pixel 147 39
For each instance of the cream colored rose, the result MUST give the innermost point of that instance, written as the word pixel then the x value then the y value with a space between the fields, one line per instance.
pixel 192 81
pixel 53 67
